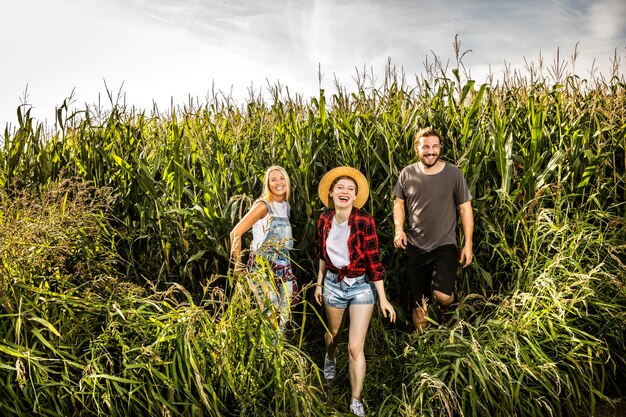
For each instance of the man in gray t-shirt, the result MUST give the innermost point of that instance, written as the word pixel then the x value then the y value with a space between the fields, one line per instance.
pixel 428 194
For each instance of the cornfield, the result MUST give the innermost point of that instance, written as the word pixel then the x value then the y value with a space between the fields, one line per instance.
pixel 116 295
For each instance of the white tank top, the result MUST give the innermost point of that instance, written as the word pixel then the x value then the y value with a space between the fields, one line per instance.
pixel 262 226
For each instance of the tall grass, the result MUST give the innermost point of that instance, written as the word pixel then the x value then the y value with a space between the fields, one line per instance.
pixel 550 347
pixel 80 339
pixel 149 318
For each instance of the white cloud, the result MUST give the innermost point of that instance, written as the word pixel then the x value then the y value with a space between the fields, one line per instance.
pixel 607 19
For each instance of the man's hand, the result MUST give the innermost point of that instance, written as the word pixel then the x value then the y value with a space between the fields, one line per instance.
pixel 399 240
pixel 466 257
pixel 467 222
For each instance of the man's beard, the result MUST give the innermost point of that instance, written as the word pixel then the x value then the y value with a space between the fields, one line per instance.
pixel 427 163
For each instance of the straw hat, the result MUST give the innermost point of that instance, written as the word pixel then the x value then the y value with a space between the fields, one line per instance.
pixel 330 176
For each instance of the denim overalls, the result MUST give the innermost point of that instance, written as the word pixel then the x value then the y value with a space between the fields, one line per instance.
pixel 278 240
pixel 275 251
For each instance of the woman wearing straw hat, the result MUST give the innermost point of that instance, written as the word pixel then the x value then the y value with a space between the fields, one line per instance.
pixel 350 274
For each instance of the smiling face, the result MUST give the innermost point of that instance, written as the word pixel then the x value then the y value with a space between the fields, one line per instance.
pixel 277 184
pixel 343 192
pixel 428 149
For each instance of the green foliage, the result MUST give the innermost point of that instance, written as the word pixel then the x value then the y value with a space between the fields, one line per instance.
pixel 115 291
pixel 81 340
pixel 184 179
pixel 547 348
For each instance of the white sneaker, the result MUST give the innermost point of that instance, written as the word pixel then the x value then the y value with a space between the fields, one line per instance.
pixel 329 368
pixel 357 408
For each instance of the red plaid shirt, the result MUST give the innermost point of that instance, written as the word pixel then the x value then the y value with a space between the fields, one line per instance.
pixel 362 244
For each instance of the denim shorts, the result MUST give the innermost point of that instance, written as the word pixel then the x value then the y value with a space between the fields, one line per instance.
pixel 341 295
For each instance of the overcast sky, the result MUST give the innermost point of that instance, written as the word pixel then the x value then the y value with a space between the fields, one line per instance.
pixel 165 50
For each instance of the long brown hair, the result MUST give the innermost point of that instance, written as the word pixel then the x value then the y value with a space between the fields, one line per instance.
pixel 331 203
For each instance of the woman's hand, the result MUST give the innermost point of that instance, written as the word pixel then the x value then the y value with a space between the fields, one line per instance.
pixel 318 294
pixel 239 268
pixel 321 273
pixel 388 311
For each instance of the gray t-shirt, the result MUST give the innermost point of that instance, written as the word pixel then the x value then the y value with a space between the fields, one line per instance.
pixel 430 203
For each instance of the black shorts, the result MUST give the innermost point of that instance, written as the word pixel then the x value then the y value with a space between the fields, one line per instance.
pixel 429 271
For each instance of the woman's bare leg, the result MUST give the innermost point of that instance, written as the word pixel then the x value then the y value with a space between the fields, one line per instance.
pixel 360 316
pixel 335 319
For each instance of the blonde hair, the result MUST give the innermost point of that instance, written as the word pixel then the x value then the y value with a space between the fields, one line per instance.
pixel 267 193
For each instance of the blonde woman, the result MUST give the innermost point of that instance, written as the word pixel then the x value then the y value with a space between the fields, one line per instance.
pixel 271 241
pixel 350 274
